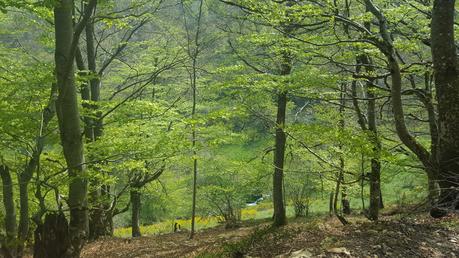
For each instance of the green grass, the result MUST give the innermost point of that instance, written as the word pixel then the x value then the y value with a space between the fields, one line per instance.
pixel 168 226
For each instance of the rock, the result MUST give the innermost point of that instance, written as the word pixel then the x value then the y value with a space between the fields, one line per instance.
pixel 377 247
pixel 303 253
pixel 339 250
pixel 373 232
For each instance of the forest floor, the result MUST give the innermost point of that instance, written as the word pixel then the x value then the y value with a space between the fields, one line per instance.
pixel 393 236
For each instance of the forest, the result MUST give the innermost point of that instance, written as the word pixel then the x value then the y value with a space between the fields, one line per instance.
pixel 229 128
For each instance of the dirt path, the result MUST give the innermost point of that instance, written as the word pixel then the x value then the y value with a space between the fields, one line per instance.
pixel 167 245
pixel 417 236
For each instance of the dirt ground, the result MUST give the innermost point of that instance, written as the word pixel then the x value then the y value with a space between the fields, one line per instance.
pixel 393 236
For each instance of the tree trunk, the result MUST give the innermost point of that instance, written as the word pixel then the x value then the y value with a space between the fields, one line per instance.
pixel 9 244
pixel 193 54
pixel 95 81
pixel 195 183
pixel 447 88
pixel 280 217
pixel 331 211
pixel 373 212
pixel 135 215
pixel 345 203
pixel 67 109
pixel 372 129
pixel 24 221
pixel 340 177
pixel 387 48
pixel 375 174
pixel 99 221
pixel 52 238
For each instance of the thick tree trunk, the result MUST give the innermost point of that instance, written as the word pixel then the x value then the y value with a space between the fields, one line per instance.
pixel 67 109
pixel 280 217
pixel 52 239
pixel 135 215
pixel 446 73
pixel 9 244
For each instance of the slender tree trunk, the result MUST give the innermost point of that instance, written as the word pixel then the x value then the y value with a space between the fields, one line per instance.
pixel 280 217
pixel 193 53
pixel 340 177
pixel 375 174
pixel 331 211
pixel 446 73
pixel 99 217
pixel 135 215
pixel 95 80
pixel 9 244
pixel 193 146
pixel 195 183
pixel 362 181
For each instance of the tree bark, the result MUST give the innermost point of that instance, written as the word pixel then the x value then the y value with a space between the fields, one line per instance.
pixel 67 109
pixel 446 73
pixel 375 175
pixel 280 217
pixel 331 211
pixel 52 237
pixel 135 215
pixel 9 244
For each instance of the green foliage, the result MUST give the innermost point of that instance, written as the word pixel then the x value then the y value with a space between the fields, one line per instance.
pixel 146 103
